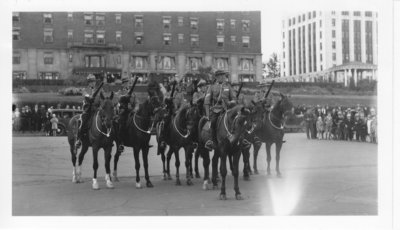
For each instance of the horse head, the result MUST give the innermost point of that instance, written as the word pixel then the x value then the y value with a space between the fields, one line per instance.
pixel 192 116
pixel 238 117
pixel 155 96
pixel 284 105
pixel 106 110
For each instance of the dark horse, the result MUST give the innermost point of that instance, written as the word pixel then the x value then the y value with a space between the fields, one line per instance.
pixel 270 130
pixel 230 125
pixel 139 126
pixel 100 135
pixel 181 131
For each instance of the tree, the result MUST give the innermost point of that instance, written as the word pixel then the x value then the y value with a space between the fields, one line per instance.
pixel 273 68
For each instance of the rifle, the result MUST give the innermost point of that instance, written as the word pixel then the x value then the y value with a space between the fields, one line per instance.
pixel 240 89
pixel 97 90
pixel 173 89
pixel 133 86
pixel 270 87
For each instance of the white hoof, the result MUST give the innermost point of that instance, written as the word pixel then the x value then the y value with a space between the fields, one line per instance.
pixel 206 185
pixel 138 185
pixel 95 185
pixel 74 180
pixel 110 184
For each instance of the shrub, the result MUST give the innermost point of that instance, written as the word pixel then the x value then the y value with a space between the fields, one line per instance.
pixel 71 91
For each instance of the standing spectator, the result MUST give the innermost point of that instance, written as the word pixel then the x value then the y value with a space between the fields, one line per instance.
pixel 349 123
pixel 363 129
pixel 54 124
pixel 73 107
pixel 374 130
pixel 358 126
pixel 340 130
pixel 36 118
pixel 17 121
pixel 328 126
pixel 308 118
pixel 320 128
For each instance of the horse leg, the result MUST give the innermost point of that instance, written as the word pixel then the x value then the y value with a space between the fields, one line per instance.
pixel 215 169
pixel 196 162
pixel 73 159
pixel 116 159
pixel 163 164
pixel 145 152
pixel 230 163
pixel 177 164
pixel 84 149
pixel 188 164
pixel 236 158
pixel 107 161
pixel 246 168
pixel 277 157
pixel 255 155
pixel 136 152
pixel 206 164
pixel 95 185
pixel 169 155
pixel 268 150
pixel 223 171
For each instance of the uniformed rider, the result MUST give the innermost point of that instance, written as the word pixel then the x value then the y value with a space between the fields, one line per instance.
pixel 218 98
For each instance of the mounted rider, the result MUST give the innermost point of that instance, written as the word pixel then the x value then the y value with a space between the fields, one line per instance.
pixel 128 101
pixel 219 97
pixel 88 108
pixel 200 94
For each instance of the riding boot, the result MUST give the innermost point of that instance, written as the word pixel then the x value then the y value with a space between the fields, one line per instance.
pixel 211 144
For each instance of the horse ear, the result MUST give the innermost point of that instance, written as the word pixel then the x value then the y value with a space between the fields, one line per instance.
pixel 112 95
pixel 101 96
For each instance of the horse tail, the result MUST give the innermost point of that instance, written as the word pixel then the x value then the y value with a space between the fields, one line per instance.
pixel 72 128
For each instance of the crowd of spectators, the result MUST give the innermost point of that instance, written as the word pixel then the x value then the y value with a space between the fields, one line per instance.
pixel 355 123
pixel 37 119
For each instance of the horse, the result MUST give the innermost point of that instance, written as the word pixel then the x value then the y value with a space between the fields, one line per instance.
pixel 229 130
pixel 270 130
pixel 180 133
pixel 101 135
pixel 139 127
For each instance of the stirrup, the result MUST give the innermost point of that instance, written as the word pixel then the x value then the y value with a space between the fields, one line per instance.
pixel 120 148
pixel 209 145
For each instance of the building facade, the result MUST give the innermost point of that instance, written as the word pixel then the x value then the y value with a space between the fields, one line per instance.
pixel 59 45
pixel 335 46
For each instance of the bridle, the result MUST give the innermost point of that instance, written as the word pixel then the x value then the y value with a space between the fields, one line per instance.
pixel 102 122
pixel 233 122
pixel 143 118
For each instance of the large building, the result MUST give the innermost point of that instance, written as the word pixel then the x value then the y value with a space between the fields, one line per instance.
pixel 59 45
pixel 335 46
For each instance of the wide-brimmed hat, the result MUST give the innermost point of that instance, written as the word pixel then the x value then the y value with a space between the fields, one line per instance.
pixel 201 83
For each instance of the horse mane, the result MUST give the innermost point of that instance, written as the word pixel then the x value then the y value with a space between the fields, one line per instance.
pixel 181 111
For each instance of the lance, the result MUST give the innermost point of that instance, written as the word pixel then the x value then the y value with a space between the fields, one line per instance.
pixel 97 90
pixel 133 86
pixel 173 89
pixel 270 87
pixel 240 89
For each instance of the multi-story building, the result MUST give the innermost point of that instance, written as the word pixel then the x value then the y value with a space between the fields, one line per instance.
pixel 58 45
pixel 337 46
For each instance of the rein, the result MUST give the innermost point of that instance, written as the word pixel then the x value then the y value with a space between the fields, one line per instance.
pixel 180 134
pixel 145 131
pixel 97 127
pixel 225 125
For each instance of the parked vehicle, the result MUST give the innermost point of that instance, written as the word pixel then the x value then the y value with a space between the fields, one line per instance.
pixel 64 115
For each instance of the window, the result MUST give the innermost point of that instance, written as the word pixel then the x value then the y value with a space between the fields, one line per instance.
pixel 48 58
pixel 88 37
pixel 333 56
pixel 368 14
pixel 246 25
pixel 15 17
pixel 309 15
pixel 290 22
pixel 138 38
pixel 167 39
pixel 333 33
pixel 304 17
pixel 48 35
pixel 283 54
pixel 16 34
pixel 346 13
pixel 100 20
pixel 320 34
pixel 220 24
pixel 47 18
pixel 180 21
pixel 94 61
pixel 333 22
pixel 70 35
pixel 314 14
pixel 165 62
pixel 194 23
pixel 194 40
pixel 283 44
pixel 118 36
pixel 246 64
pixel 320 23
pixel 118 19
pixel 221 63
pixel 246 41
pixel 167 22
pixel 357 13
pixel 100 37
pixel 283 35
pixel 293 20
pixel 320 46
pixel 139 62
pixel 333 13
pixel 194 63
pixel 19 75
pixel 321 68
pixel 220 41
pixel 180 38
pixel 233 24
pixel 70 17
pixel 333 45
pixel 320 57
pixel 299 19
pixel 138 21
pixel 16 58
pixel 233 38
pixel 48 76
pixel 88 19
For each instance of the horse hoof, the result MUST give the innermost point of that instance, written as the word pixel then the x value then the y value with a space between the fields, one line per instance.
pixel 169 177
pixel 109 184
pixel 215 187
pixel 178 182
pixel 115 179
pixel 279 175
pixel 250 173
pixel 198 175
pixel 149 184
pixel 239 197
pixel 165 177
pixel 222 196
pixel 191 176
pixel 138 185
pixel 95 185
pixel 256 172
pixel 74 180
pixel 246 178
pixel 189 182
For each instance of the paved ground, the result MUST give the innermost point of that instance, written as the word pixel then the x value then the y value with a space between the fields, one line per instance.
pixel 319 178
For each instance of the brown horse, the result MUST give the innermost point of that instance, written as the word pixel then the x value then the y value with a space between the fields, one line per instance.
pixel 270 130
pixel 72 133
